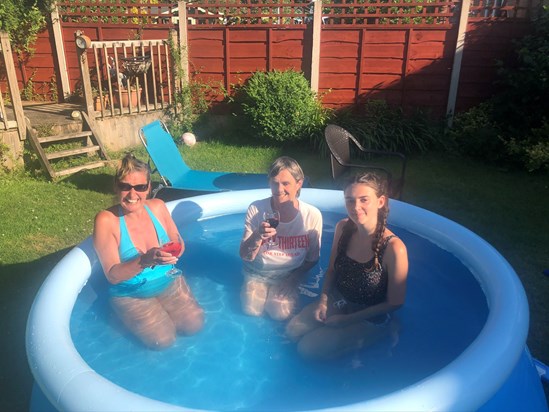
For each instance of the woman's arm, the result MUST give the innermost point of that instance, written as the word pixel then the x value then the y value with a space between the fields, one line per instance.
pixel 249 247
pixel 396 263
pixel 255 232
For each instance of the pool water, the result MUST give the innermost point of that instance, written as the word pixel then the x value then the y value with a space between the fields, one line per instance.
pixel 243 363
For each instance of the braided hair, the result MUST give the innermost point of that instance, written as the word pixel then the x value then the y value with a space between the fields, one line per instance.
pixel 379 185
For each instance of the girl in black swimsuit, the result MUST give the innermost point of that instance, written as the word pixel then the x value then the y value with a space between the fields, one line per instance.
pixel 365 281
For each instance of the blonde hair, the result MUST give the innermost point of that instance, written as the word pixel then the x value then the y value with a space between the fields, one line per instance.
pixel 130 164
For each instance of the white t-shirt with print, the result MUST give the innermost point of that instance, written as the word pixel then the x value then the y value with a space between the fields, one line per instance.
pixel 297 241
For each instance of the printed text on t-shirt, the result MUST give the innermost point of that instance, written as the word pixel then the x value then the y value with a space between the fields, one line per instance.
pixel 292 242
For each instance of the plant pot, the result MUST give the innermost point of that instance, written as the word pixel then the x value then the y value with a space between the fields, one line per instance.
pixel 135 95
pixel 97 103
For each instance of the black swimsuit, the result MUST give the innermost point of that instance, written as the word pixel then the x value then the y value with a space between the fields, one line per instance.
pixel 357 282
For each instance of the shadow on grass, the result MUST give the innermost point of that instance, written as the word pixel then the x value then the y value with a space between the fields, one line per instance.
pixel 96 182
pixel 19 284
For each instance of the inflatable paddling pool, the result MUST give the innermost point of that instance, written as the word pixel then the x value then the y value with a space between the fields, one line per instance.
pixel 462 345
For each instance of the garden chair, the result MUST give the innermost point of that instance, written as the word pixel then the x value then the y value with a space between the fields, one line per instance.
pixel 175 173
pixel 343 147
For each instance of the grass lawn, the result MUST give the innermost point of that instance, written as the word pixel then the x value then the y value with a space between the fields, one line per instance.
pixel 40 221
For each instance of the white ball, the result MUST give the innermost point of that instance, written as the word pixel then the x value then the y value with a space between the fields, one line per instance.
pixel 188 138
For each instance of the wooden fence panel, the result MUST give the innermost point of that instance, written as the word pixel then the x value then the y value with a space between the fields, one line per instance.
pixel 407 66
pixel 39 70
pixel 224 57
pixel 360 56
pixel 208 64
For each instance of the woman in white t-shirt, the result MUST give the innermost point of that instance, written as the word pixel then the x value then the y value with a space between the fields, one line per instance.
pixel 273 272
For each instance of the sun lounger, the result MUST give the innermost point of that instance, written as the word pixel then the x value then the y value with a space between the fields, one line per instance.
pixel 176 174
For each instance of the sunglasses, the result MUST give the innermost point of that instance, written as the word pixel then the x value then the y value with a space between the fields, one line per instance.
pixel 126 187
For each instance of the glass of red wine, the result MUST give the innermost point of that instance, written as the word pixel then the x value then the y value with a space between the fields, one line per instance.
pixel 273 219
pixel 174 248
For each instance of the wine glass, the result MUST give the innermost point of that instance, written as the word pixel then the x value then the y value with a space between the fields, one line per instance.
pixel 273 219
pixel 174 248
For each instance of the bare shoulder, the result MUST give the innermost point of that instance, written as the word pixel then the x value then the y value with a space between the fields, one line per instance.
pixel 160 210
pixel 395 258
pixel 157 205
pixel 106 217
pixel 339 227
pixel 106 224
pixel 341 223
pixel 395 245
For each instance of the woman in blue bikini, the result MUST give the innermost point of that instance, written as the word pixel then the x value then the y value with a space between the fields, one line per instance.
pixel 365 281
pixel 127 238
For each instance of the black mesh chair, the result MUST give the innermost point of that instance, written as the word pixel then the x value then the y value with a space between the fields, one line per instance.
pixel 346 154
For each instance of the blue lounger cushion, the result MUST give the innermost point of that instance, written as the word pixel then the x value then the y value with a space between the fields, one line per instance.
pixel 175 172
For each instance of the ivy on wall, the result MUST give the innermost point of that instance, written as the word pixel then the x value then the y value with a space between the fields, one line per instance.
pixel 23 20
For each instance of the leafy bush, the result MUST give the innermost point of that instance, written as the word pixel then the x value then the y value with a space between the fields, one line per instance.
pixel 512 129
pixel 189 104
pixel 280 106
pixel 476 135
pixel 23 20
pixel 190 101
pixel 534 151
pixel 524 98
pixel 376 125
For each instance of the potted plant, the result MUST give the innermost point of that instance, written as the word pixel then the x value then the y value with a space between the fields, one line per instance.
pixel 100 100
pixel 133 66
pixel 126 92
pixel 133 93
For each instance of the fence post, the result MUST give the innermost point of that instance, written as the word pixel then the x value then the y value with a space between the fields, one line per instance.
pixel 183 42
pixel 60 49
pixel 458 56
pixel 315 50
pixel 86 81
pixel 13 86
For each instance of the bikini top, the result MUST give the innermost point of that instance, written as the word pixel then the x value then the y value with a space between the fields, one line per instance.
pixel 150 281
pixel 358 282
pixel 126 248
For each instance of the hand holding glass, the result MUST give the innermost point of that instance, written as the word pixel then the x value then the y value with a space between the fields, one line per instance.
pixel 272 218
pixel 173 248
